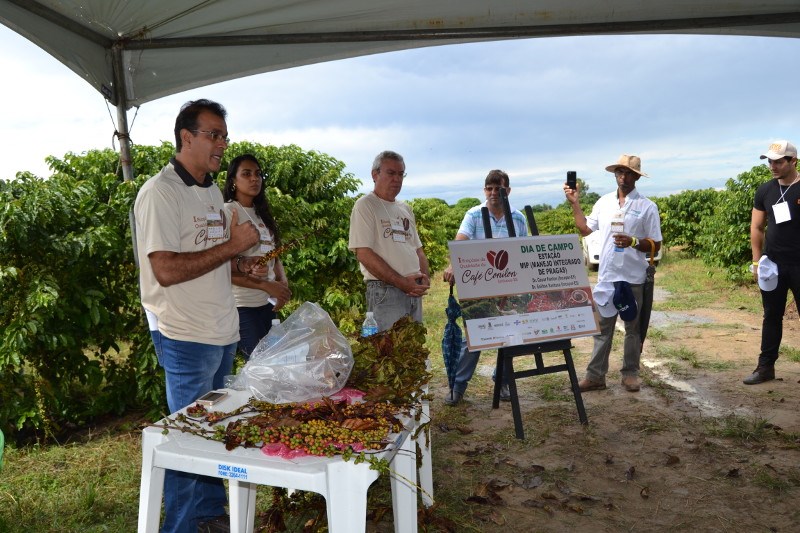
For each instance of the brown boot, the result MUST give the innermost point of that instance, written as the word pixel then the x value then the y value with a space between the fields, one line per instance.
pixel 631 383
pixel 586 385
pixel 760 375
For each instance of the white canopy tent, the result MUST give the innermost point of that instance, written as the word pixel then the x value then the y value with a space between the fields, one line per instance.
pixel 135 51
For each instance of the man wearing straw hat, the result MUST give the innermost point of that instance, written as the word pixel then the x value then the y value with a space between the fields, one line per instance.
pixel 625 218
pixel 776 253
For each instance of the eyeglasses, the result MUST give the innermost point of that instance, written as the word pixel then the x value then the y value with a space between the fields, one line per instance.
pixel 623 172
pixel 395 174
pixel 492 189
pixel 215 136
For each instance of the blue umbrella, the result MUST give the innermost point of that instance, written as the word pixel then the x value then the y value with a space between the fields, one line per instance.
pixel 451 340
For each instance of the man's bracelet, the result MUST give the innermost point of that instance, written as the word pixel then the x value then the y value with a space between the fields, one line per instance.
pixel 238 264
pixel 634 242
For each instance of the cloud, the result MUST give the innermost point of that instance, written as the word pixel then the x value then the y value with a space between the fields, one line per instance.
pixel 697 109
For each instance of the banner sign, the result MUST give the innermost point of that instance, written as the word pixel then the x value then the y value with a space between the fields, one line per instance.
pixel 522 290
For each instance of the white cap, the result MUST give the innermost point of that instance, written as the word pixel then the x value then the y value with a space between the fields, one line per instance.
pixel 779 150
pixel 369 314
pixel 603 294
pixel 767 274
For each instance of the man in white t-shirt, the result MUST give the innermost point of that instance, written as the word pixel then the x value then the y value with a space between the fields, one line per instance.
pixel 383 235
pixel 624 218
pixel 187 252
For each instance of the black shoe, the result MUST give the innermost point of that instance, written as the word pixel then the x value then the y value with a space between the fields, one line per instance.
pixel 760 375
pixel 505 393
pixel 453 398
pixel 218 524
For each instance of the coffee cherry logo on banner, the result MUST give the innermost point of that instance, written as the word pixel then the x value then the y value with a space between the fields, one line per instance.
pixel 498 259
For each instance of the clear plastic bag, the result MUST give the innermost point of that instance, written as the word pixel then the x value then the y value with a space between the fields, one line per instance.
pixel 303 358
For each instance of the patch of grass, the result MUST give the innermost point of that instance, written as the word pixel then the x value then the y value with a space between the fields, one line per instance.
pixel 652 381
pixel 739 428
pixel 790 440
pixel 681 353
pixel 647 423
pixel 92 486
pixel 768 478
pixel 700 286
pixel 656 334
pixel 553 388
pixel 717 366
pixel 789 352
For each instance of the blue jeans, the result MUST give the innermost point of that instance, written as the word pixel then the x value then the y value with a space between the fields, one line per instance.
pixel 774 302
pixel 254 324
pixel 390 304
pixel 467 363
pixel 632 346
pixel 191 369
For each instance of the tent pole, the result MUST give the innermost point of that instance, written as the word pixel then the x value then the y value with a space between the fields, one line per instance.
pixel 123 135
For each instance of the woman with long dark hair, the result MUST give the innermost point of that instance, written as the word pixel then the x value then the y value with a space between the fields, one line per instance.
pixel 257 299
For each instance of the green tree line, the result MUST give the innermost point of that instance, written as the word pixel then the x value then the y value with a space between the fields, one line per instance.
pixel 74 343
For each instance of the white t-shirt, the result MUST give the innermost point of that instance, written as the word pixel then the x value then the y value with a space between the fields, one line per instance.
pixel 641 220
pixel 245 296
pixel 175 217
pixel 389 229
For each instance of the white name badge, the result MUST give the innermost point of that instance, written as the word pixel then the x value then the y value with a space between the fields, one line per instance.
pixel 781 212
pixel 214 224
pixel 264 242
pixel 398 233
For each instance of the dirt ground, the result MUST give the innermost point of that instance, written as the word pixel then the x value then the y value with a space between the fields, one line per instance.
pixel 694 450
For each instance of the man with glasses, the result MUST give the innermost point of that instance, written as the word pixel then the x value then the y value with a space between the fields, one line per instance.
pixel 383 235
pixel 187 253
pixel 776 252
pixel 472 228
pixel 625 219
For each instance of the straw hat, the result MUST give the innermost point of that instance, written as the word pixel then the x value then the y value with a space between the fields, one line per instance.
pixel 630 162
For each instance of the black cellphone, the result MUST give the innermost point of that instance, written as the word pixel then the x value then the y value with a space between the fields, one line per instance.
pixel 210 398
pixel 572 179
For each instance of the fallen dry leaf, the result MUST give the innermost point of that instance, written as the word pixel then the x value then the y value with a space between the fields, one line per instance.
pixel 497 484
pixel 536 504
pixel 629 473
pixel 672 459
pixel 645 492
pixel 530 482
pixel 574 508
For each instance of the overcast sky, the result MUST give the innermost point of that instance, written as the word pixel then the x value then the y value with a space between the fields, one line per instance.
pixel 697 109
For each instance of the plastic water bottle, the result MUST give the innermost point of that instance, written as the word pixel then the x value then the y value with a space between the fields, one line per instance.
pixel 370 326
pixel 275 333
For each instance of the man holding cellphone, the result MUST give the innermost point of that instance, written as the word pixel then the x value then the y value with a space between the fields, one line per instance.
pixel 625 218
pixel 187 253
pixel 472 228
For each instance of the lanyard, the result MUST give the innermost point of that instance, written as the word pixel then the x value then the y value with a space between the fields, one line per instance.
pixel 210 198
pixel 783 193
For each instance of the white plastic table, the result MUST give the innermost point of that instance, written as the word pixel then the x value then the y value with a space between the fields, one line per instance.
pixel 343 483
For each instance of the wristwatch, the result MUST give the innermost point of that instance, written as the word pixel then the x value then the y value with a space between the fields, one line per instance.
pixel 753 267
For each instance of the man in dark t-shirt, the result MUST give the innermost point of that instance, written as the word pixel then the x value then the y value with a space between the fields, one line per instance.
pixel 777 206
